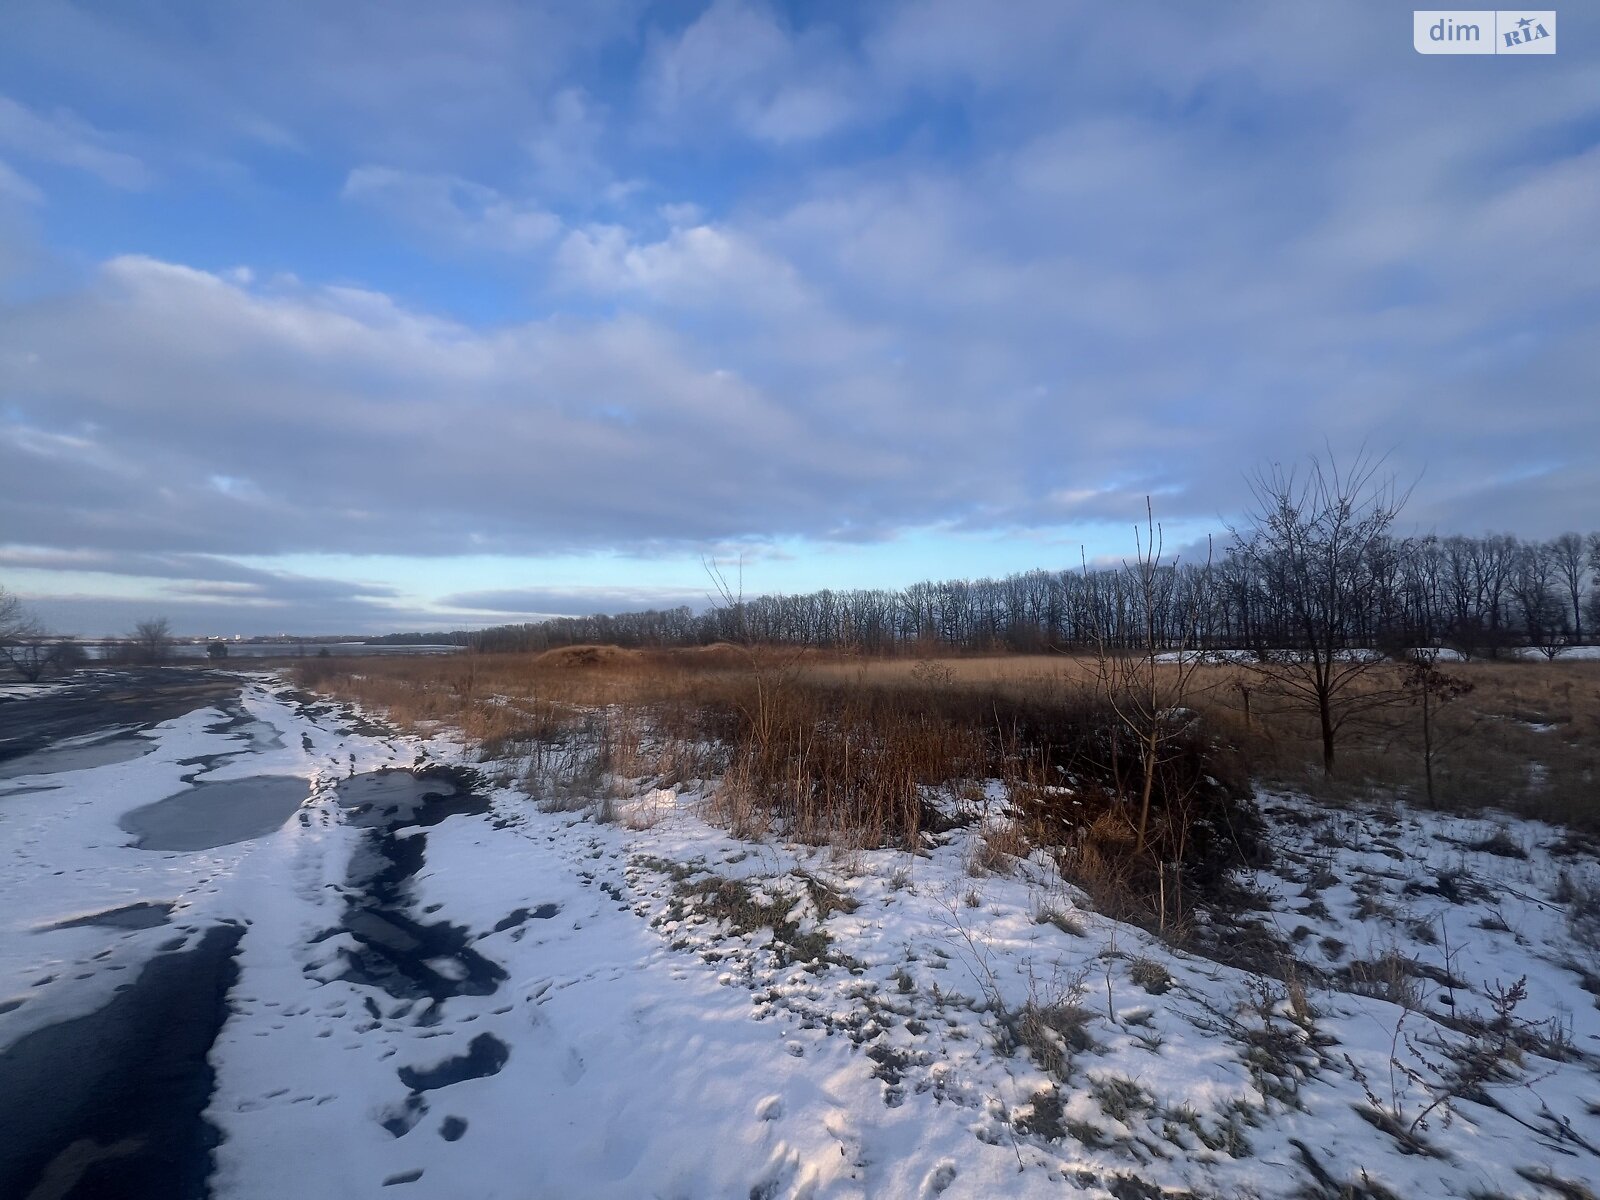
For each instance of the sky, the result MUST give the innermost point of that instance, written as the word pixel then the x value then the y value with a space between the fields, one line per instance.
pixel 373 316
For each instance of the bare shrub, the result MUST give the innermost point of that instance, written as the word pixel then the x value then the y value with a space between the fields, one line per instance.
pixel 1151 975
pixel 933 673
pixel 1120 1098
pixel 151 640
pixel 27 648
pixel 997 848
pixel 1054 1034
pixel 1053 1026
pixel 1581 896
pixel 1448 1070
pixel 1391 976
pixel 1061 919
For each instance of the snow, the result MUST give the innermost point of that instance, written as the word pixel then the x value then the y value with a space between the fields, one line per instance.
pixel 655 1035
pixel 27 691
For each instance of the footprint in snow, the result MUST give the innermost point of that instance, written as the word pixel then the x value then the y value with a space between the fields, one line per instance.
pixel 938 1179
pixel 572 1067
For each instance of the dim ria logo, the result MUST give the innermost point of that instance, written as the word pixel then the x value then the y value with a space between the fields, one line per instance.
pixel 1484 31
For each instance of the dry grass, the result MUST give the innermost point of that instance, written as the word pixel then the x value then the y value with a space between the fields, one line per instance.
pixel 1525 739
pixel 848 752
pixel 1031 672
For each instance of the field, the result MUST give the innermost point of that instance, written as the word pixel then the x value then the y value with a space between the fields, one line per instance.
pixel 1229 974
pixel 1524 738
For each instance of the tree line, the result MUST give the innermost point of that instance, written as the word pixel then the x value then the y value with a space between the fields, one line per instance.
pixel 1482 596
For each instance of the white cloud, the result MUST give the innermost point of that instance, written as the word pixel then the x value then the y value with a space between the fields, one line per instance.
pixel 63 139
pixel 395 81
pixel 737 62
pixel 452 209
pixel 17 188
pixel 562 145
pixel 695 264
pixel 144 391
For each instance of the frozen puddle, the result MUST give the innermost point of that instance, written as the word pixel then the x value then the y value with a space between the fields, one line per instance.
pixel 394 796
pixel 393 947
pixel 217 814
pixel 142 914
pixel 77 756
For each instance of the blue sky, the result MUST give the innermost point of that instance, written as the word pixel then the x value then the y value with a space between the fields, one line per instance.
pixel 369 316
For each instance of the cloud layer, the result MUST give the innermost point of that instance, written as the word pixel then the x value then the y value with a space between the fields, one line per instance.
pixel 757 274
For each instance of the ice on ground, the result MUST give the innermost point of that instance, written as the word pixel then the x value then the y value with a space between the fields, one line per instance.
pixel 141 914
pixel 206 815
pixel 77 754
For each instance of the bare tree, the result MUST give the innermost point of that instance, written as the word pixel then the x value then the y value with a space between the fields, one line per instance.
pixel 1313 539
pixel 1567 555
pixel 1544 614
pixel 15 620
pixel 24 645
pixel 67 655
pixel 1594 591
pixel 152 640
pixel 1430 689
pixel 30 657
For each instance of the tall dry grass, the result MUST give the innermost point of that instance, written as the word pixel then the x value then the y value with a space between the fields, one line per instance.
pixel 849 752
pixel 855 752
pixel 1527 737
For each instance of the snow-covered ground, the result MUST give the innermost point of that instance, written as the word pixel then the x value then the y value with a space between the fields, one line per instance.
pixel 25 691
pixel 649 1007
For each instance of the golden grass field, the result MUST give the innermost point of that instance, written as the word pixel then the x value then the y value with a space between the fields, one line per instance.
pixel 1526 737
pixel 845 751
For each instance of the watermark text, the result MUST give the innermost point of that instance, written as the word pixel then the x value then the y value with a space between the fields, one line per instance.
pixel 1484 31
